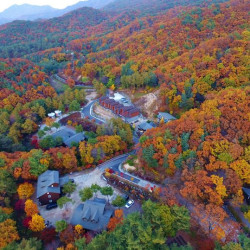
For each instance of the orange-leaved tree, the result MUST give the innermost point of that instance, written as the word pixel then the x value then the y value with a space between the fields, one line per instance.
pixel 116 220
pixel 30 208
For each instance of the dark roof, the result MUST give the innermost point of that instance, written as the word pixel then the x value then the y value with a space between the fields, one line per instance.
pixel 92 215
pixel 133 110
pixel 145 126
pixel 132 119
pixel 178 240
pixel 45 181
pixel 119 106
pixel 75 138
pixel 115 103
pixel 166 116
pixel 246 191
pixel 127 108
pixel 68 136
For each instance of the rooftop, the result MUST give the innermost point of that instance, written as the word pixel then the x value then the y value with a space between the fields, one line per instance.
pixel 92 215
pixel 45 181
pixel 166 116
pixel 69 135
pixel 246 191
pixel 145 126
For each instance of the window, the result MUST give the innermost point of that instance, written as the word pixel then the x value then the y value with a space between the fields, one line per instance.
pixel 50 201
pixel 49 196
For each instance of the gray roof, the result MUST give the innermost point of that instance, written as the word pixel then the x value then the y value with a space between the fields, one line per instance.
pixel 68 136
pixel 132 119
pixel 76 138
pixel 45 181
pixel 166 116
pixel 92 215
pixel 145 126
pixel 63 180
pixel 246 191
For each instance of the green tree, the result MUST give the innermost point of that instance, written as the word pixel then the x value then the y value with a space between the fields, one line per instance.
pixel 147 154
pixel 184 141
pixel 2 162
pixel 107 191
pixel 79 128
pixel 36 167
pixel 7 183
pixel 4 216
pixel 56 125
pixel 61 225
pixel 69 188
pixel 41 133
pixel 181 218
pixel 86 194
pixel 118 201
pixel 80 244
pixel 47 142
pixel 30 244
pixel 95 188
pixel 62 201
pixel 74 106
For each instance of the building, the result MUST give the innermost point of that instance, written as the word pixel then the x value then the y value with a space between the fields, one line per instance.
pixel 52 115
pixel 69 136
pixel 49 187
pixel 58 113
pixel 92 215
pixel 166 117
pixel 246 193
pixel 119 108
pixel 143 127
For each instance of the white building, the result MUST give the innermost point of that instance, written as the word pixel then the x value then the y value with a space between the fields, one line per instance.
pixel 58 113
pixel 52 115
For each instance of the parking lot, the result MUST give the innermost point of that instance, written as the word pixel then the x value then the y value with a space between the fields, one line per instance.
pixel 82 180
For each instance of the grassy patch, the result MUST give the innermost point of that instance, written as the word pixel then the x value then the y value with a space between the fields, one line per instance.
pixel 58 86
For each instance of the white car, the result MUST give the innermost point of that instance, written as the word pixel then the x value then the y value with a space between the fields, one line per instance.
pixel 129 203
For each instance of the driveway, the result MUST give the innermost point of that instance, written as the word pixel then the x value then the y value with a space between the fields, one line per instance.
pixel 136 207
pixel 87 112
pixel 82 179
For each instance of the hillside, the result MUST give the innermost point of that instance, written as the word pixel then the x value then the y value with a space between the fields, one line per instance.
pixel 182 179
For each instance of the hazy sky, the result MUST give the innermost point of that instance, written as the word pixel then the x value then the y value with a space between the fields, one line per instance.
pixel 60 4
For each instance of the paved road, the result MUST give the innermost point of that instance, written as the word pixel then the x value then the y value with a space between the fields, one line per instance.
pixel 87 112
pixel 114 161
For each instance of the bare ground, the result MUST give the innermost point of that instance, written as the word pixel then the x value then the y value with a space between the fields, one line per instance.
pixel 104 113
pixel 147 103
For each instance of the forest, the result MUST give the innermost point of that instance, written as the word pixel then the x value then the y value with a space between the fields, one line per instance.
pixel 195 55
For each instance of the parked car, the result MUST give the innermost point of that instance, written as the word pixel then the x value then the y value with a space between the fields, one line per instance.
pixel 51 206
pixel 104 178
pixel 129 203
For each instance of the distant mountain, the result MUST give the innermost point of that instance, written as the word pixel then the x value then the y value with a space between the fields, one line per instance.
pixel 151 7
pixel 32 12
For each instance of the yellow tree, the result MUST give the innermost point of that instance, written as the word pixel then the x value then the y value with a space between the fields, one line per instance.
pixel 78 231
pixel 30 208
pixel 25 190
pixel 242 168
pixel 37 223
pixel 220 188
pixel 8 232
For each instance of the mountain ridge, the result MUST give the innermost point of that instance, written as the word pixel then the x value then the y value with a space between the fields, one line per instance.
pixel 29 12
